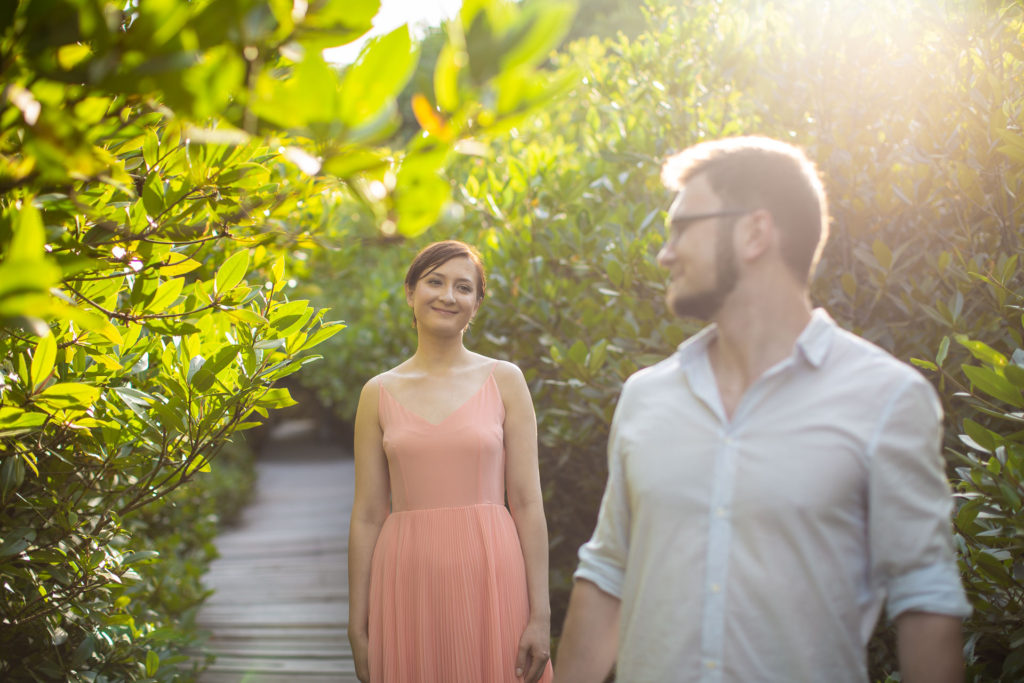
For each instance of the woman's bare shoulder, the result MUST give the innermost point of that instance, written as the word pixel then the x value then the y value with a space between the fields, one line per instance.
pixel 508 377
pixel 372 386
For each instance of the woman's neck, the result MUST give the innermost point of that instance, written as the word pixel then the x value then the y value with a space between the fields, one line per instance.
pixel 438 353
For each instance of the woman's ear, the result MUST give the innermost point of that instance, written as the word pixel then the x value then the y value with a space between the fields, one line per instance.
pixel 408 295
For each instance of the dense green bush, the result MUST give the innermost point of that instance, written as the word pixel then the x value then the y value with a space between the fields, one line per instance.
pixel 913 112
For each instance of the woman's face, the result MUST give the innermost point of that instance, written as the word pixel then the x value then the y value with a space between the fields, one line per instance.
pixel 446 298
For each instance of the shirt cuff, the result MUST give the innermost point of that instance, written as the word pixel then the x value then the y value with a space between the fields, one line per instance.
pixel 599 571
pixel 936 589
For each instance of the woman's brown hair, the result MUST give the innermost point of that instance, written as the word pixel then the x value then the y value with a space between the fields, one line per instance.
pixel 437 254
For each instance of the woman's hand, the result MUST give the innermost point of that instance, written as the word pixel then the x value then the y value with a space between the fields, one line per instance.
pixel 534 650
pixel 361 656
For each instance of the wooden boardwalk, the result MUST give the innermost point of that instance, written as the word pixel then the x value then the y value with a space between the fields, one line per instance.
pixel 279 610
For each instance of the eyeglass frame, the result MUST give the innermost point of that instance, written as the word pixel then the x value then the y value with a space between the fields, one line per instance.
pixel 677 224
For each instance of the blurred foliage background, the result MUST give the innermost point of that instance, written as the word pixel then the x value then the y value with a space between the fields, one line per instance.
pixel 913 111
pixel 187 188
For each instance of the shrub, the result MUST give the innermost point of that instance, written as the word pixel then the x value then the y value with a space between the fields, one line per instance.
pixel 912 111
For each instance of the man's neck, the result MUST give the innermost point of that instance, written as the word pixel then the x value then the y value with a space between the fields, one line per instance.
pixel 754 333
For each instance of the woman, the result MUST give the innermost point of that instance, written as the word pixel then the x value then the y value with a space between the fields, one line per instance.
pixel 444 584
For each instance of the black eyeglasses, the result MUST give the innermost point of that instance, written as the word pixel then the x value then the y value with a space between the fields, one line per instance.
pixel 677 224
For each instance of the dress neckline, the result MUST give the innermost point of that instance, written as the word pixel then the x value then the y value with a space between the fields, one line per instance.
pixel 487 381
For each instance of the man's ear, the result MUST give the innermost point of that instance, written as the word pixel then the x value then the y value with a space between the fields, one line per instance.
pixel 756 234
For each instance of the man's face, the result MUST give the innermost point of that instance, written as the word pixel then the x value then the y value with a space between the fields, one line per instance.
pixel 698 252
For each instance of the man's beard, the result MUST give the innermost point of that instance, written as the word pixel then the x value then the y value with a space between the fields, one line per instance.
pixel 704 305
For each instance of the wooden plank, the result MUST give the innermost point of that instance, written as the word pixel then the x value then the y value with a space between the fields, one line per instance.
pixel 280 603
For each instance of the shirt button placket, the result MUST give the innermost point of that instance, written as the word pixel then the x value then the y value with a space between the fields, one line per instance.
pixel 719 538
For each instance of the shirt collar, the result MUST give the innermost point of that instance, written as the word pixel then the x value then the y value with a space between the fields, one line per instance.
pixel 815 340
pixel 813 343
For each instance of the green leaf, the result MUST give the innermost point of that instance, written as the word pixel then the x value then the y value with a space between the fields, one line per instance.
pixel 69 395
pixel 246 316
pixel 596 356
pixel 150 148
pixel 12 474
pixel 420 193
pixel 198 464
pixel 981 436
pixel 446 77
pixel 178 264
pixel 849 284
pixel 277 270
pixel 207 374
pixel 269 343
pixel 982 351
pixel 578 352
pixel 326 331
pixel 384 67
pixel 29 236
pixel 231 273
pixel 277 398
pixel 546 25
pixel 924 364
pixel 336 22
pixel 195 364
pixel 152 663
pixel 84 651
pixel 288 318
pixel 140 556
pixel 940 357
pixel 14 421
pixel 882 254
pixel 153 195
pixel 15 547
pixel 1015 374
pixel 994 385
pixel 165 295
pixel 352 161
pixel 171 326
pixel 43 360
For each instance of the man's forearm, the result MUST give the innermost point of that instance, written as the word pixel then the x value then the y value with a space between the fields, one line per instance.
pixel 930 648
pixel 590 637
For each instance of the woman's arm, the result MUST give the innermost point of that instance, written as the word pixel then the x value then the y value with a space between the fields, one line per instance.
pixel 370 507
pixel 522 481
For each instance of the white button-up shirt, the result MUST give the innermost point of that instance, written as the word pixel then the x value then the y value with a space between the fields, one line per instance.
pixel 762 547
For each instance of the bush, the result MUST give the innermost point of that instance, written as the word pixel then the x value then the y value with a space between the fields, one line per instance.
pixel 909 110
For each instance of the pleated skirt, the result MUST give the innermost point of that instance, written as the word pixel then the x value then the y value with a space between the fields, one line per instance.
pixel 448 597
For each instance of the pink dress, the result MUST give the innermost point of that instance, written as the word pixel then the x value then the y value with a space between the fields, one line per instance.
pixel 448 596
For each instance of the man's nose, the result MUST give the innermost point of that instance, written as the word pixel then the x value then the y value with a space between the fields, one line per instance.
pixel 665 255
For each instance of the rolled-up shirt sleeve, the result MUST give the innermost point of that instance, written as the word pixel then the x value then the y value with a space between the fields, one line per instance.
pixel 910 534
pixel 603 557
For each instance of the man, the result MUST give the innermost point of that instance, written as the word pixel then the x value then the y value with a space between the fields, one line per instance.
pixel 777 479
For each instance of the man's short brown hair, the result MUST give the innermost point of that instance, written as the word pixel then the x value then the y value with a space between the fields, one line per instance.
pixel 761 173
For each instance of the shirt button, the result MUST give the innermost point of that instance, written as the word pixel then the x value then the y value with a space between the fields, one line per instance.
pixel 710 664
pixel 715 588
pixel 720 512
